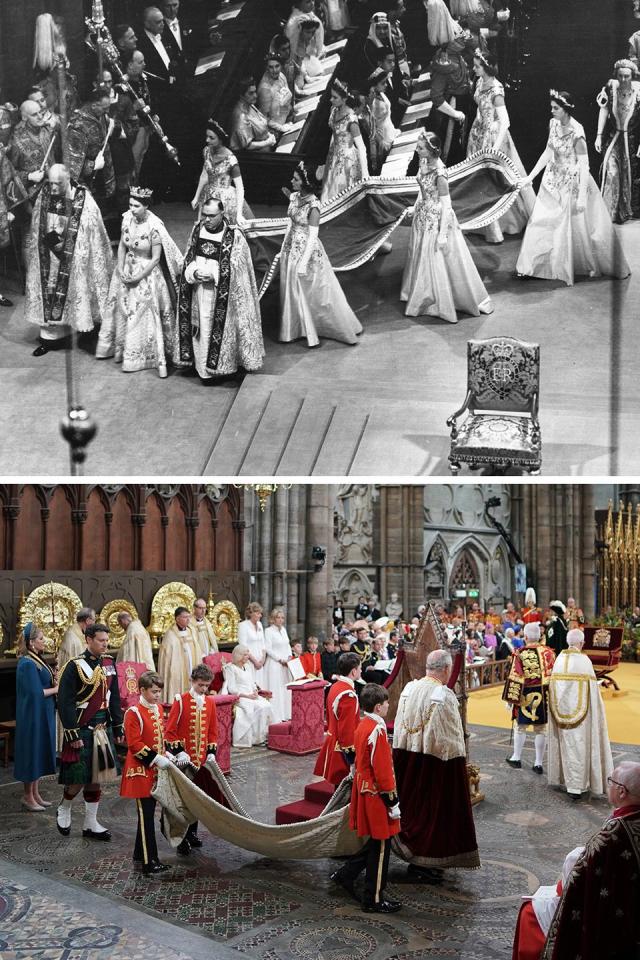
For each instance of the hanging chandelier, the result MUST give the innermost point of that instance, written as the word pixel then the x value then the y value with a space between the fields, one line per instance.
pixel 263 490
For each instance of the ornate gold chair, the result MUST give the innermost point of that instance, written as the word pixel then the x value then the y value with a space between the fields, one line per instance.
pixel 501 428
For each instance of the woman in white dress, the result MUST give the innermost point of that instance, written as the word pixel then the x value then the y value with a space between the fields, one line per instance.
pixel 312 302
pixel 251 636
pixel 140 327
pixel 440 277
pixel 275 99
pixel 383 132
pixel 346 161
pixel 252 712
pixel 570 231
pixel 276 672
pixel 490 131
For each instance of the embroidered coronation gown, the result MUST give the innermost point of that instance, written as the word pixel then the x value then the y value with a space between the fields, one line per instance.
pixel 436 281
pixel 313 305
pixel 560 242
pixel 140 328
pixel 220 183
pixel 342 168
pixel 482 136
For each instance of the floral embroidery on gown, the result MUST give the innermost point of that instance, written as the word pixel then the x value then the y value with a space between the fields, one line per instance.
pixel 435 281
pixel 342 168
pixel 218 169
pixel 482 136
pixel 314 305
pixel 140 326
pixel 560 242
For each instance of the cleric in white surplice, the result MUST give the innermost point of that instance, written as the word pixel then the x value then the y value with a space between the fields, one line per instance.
pixel 579 750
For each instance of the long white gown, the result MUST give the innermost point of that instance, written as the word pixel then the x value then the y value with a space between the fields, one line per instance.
pixel 277 676
pixel 252 636
pixel 252 717
pixel 313 305
pixel 560 242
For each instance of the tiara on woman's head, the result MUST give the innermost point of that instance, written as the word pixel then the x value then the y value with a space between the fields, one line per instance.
pixel 561 99
pixel 140 193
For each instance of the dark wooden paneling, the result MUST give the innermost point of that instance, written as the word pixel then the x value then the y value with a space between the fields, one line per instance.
pixel 205 539
pixel 176 551
pixel 121 534
pixel 28 539
pixel 225 554
pixel 94 534
pixel 59 532
pixel 153 535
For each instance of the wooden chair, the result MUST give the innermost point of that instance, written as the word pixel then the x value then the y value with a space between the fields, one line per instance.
pixel 501 429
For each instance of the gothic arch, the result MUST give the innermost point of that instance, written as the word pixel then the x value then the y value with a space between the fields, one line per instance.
pixel 352 584
pixel 435 571
pixel 470 565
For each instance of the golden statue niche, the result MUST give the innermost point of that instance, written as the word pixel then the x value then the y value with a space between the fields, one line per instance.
pixel 167 598
pixel 224 619
pixel 109 615
pixel 618 560
pixel 53 608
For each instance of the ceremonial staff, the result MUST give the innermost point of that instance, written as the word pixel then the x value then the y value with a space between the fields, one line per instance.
pixel 100 41
pixel 77 426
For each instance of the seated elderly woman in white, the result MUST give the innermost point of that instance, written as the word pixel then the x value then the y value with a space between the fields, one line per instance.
pixel 252 712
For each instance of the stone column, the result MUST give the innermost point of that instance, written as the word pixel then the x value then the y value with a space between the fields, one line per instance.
pixel 319 533
pixel 587 599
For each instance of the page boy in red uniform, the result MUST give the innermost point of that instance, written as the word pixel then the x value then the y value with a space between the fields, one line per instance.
pixel 191 736
pixel 375 812
pixel 343 715
pixel 311 660
pixel 144 735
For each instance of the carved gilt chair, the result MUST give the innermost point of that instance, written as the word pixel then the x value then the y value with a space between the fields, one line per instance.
pixel 501 428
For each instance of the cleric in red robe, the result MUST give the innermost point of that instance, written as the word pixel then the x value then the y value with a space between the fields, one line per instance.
pixel 429 757
pixel 343 715
pixel 598 917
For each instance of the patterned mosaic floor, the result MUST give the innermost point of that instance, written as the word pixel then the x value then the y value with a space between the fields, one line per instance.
pixel 276 911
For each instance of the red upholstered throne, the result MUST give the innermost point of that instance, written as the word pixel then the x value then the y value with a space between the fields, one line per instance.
pixel 216 661
pixel 305 731
pixel 603 646
pixel 224 710
pixel 128 673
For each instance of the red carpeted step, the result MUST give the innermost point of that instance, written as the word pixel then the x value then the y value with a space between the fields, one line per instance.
pixel 319 792
pixel 298 812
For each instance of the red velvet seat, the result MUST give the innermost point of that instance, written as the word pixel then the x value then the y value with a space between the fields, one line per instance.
pixel 603 646
pixel 216 661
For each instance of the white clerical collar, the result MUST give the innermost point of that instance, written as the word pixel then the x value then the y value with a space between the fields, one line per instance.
pixel 183 633
pixel 211 234
pixel 198 697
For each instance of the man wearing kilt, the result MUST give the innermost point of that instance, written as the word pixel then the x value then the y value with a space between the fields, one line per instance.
pixel 91 717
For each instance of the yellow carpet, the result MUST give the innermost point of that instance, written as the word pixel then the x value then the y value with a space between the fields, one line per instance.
pixel 623 712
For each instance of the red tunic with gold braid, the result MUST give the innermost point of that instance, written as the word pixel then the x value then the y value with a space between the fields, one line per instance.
pixel 144 735
pixel 531 615
pixel 374 778
pixel 191 728
pixel 311 663
pixel 526 687
pixel 343 716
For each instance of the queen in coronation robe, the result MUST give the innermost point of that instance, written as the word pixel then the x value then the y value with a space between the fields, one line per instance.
pixel 219 323
pixel 579 750
pixel 139 330
pixel 68 257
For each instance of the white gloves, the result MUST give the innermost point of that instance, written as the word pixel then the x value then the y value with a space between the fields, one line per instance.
pixel 98 163
pixel 183 758
pixel 211 756
pixel 36 177
pixel 362 156
pixel 445 217
pixel 160 762
pixel 303 262
pixel 394 812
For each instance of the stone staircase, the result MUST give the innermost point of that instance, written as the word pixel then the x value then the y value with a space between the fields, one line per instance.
pixel 285 427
